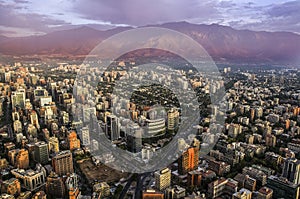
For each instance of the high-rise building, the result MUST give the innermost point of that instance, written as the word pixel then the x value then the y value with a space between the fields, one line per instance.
pixel 22 159
pixel 53 144
pixel 39 92
pixel 41 153
pixel 173 119
pixel 85 136
pixel 291 170
pixel 113 127
pixel 62 163
pixel 17 126
pixel 162 179
pixel 282 188
pixel 134 138
pixel 34 120
pixel 11 187
pixel 190 159
pixel 73 141
pixel 270 140
pixel 72 186
pixel 18 98
pixel 55 186
pixel 194 178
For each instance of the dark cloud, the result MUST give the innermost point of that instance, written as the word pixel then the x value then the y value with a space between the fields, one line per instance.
pixel 21 1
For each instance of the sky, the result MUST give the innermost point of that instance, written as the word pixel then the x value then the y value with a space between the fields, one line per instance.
pixel 36 17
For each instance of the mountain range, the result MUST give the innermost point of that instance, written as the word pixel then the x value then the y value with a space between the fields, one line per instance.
pixel 223 43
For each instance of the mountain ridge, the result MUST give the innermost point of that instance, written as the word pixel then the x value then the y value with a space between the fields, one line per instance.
pixel 221 42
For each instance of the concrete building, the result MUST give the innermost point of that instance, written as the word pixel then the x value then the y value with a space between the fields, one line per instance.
pixel 73 141
pixel 242 194
pixel 282 188
pixel 22 159
pixel 291 170
pixel 55 187
pixel 62 163
pixel 41 153
pixel 162 179
pixel 53 144
pixel 265 193
pixel 11 187
pixel 31 179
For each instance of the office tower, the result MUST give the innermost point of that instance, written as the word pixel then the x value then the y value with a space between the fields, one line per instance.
pixel 22 159
pixel 15 116
pixel 41 153
pixel 12 154
pixel 194 178
pixel 173 119
pixel 134 138
pixel 62 163
pixel 32 131
pixel 30 179
pixel 55 187
pixel 34 120
pixel 17 126
pixel 270 140
pixel 73 141
pixel 72 186
pixel 11 187
pixel 189 159
pixel 291 170
pixel 282 188
pixel 113 127
pixel 88 113
pixel 18 98
pixel 39 92
pixel 53 145
pixel 85 136
pixel 162 179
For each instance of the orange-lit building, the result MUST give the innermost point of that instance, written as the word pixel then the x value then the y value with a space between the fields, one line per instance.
pixel 152 194
pixel 22 160
pixel 11 187
pixel 190 159
pixel 287 124
pixel 73 141
pixel 194 178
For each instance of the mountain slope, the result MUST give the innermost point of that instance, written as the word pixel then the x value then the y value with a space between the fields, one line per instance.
pixel 221 42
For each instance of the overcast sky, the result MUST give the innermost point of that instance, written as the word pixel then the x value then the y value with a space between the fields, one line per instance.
pixel 31 17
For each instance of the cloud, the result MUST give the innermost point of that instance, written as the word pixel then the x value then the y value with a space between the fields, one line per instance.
pixel 139 13
pixel 14 19
pixel 36 17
